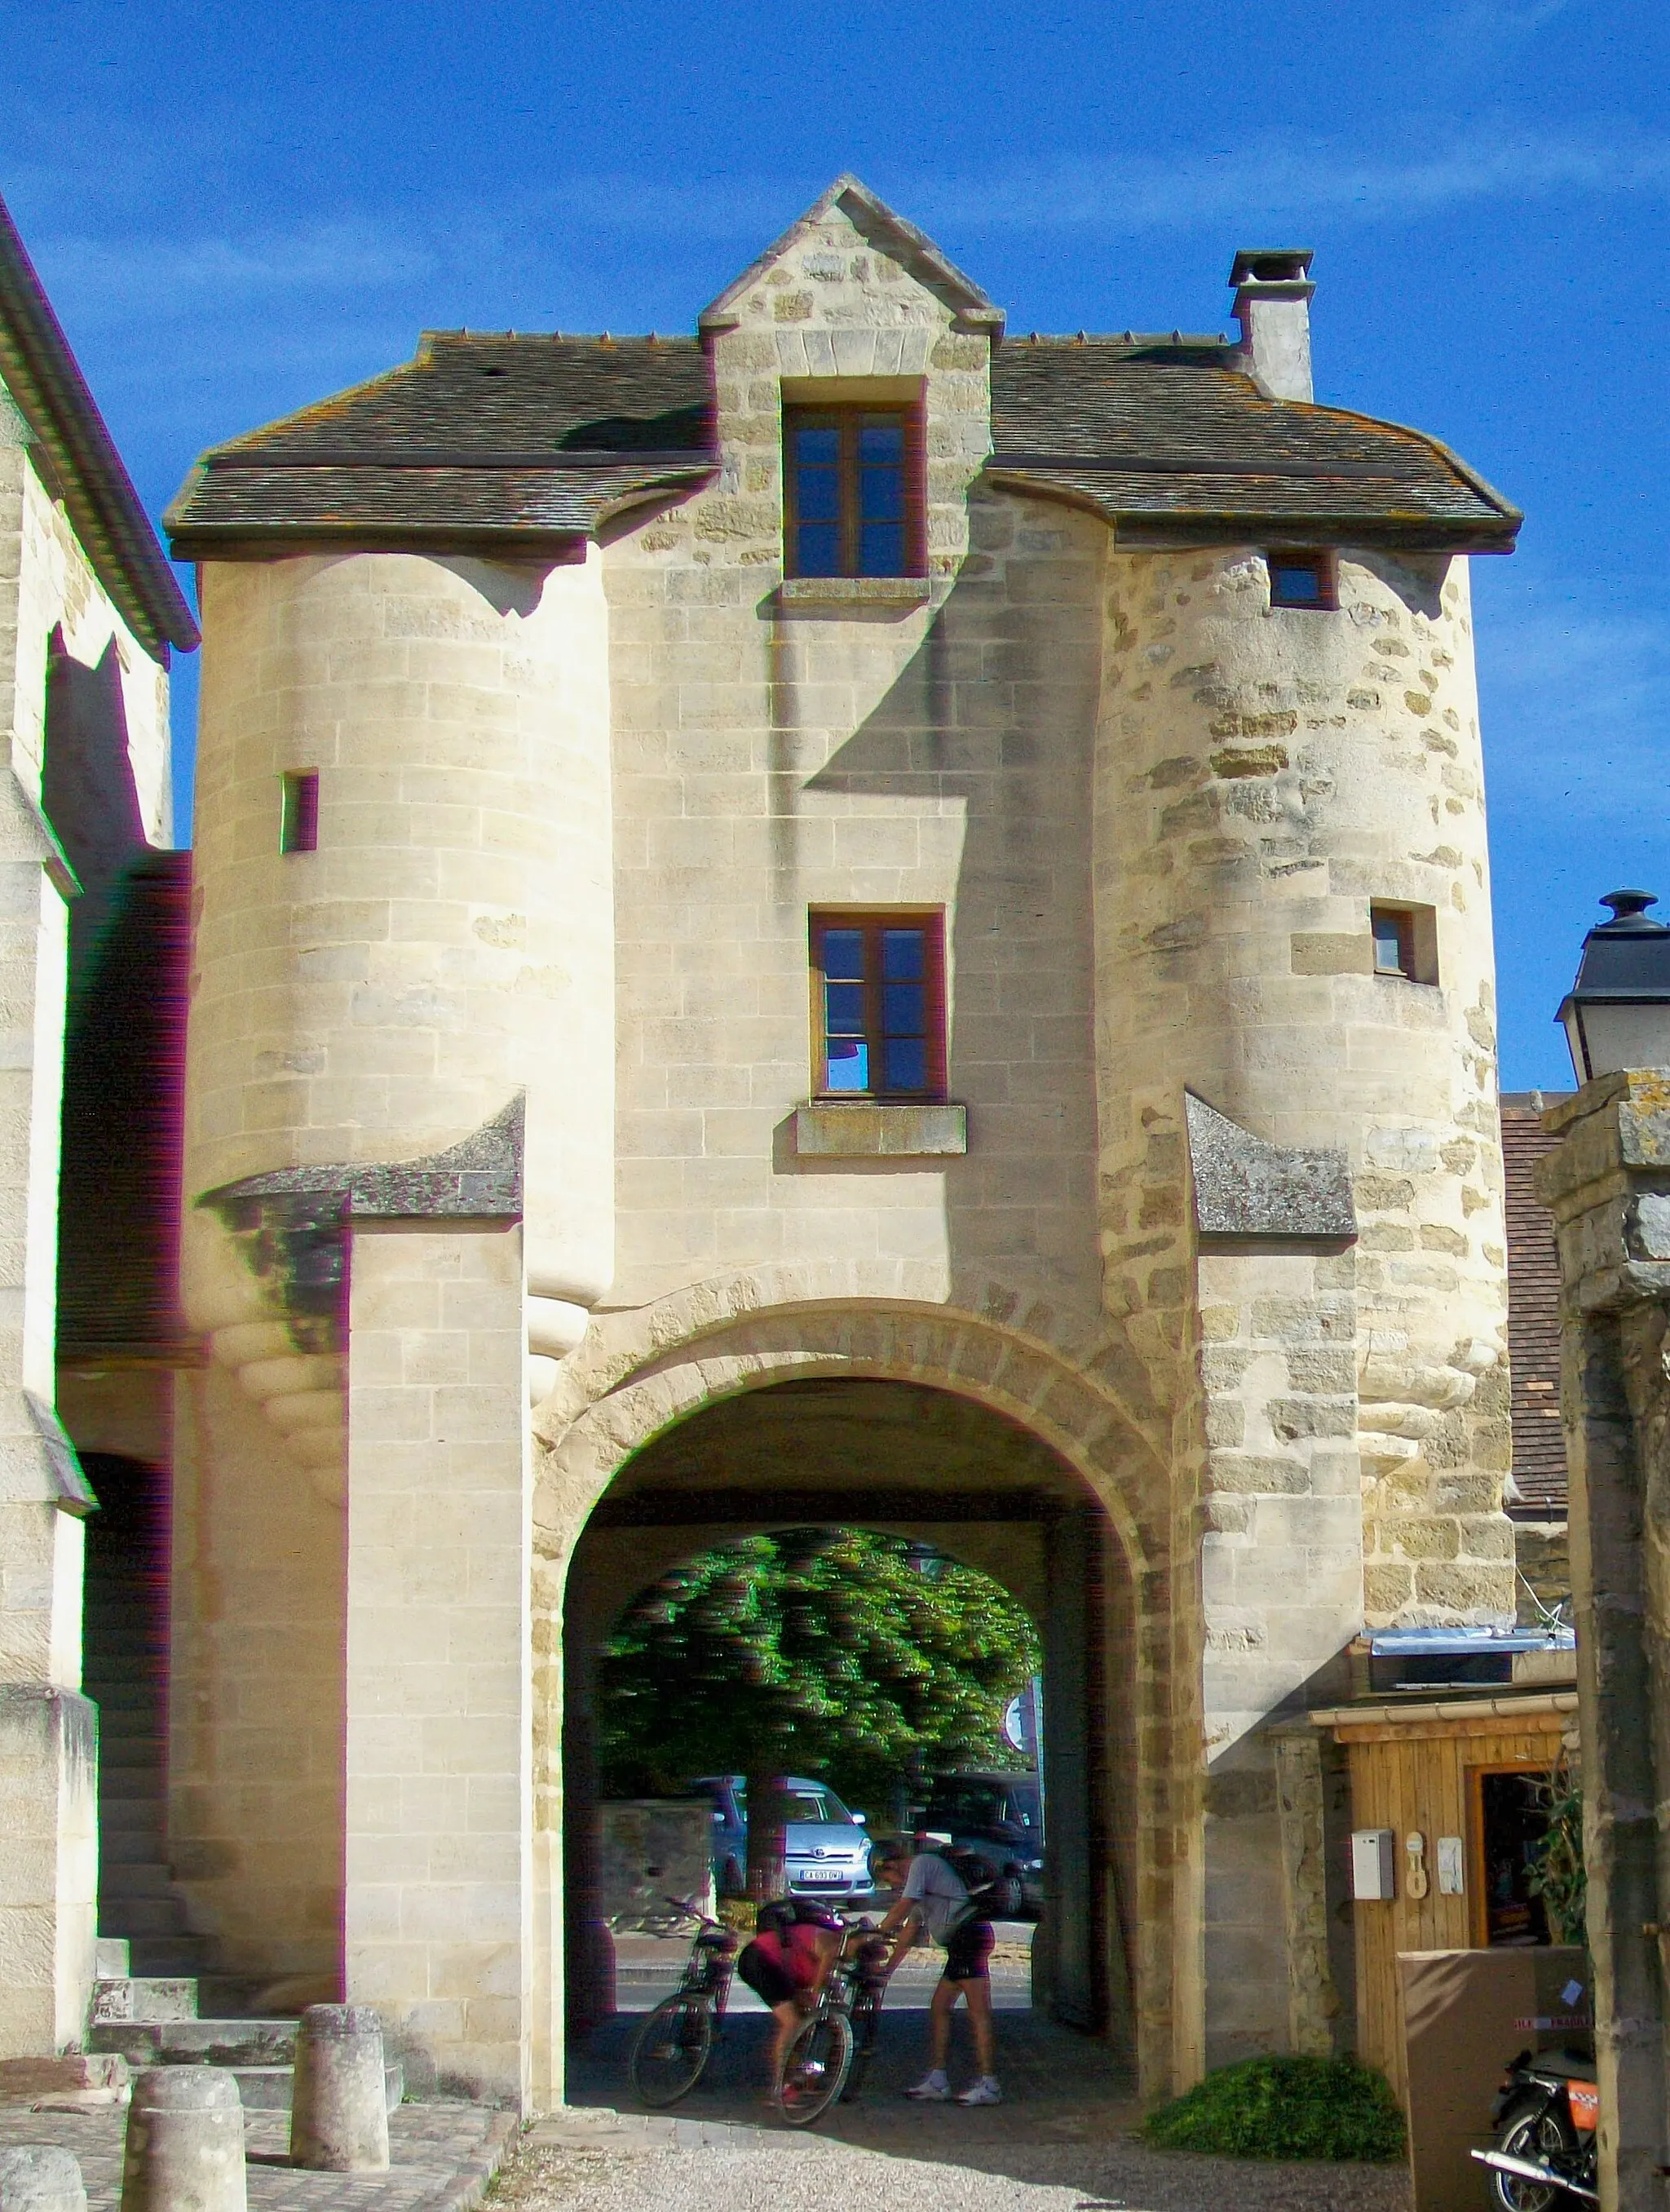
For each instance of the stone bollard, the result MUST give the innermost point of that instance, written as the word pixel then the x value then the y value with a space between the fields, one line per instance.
pixel 40 2177
pixel 339 2110
pixel 185 2143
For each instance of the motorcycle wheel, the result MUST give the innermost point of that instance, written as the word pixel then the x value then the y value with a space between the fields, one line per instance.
pixel 1535 2131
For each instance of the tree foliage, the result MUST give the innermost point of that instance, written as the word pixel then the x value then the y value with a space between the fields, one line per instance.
pixel 836 1653
pixel 1558 1875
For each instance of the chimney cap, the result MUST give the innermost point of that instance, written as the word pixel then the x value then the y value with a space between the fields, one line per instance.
pixel 1271 264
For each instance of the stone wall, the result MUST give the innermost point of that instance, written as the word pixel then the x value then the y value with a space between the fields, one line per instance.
pixel 51 601
pixel 439 1901
pixel 1263 774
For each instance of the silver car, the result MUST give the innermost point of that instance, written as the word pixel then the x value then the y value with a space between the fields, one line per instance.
pixel 827 1847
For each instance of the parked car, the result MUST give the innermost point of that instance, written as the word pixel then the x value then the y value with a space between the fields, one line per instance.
pixel 999 1818
pixel 826 1848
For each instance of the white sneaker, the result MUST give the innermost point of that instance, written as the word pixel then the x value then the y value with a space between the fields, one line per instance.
pixel 932 2089
pixel 985 2092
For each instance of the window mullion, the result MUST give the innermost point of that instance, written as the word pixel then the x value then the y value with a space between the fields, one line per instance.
pixel 849 493
pixel 872 1006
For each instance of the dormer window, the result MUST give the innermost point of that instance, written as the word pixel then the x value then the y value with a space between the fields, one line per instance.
pixel 1301 579
pixel 851 491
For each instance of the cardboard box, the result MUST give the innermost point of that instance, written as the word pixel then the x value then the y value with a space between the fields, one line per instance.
pixel 1466 2015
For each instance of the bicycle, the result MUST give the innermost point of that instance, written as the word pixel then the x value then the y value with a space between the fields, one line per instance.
pixel 674 2042
pixel 831 2049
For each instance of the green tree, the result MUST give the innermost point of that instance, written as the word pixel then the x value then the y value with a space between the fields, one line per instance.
pixel 839 1653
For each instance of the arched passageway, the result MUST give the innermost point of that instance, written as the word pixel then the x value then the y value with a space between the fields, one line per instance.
pixel 907 1459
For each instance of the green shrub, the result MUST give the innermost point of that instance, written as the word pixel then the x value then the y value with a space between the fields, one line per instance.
pixel 1285 2108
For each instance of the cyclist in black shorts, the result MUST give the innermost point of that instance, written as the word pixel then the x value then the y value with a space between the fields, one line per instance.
pixel 932 1896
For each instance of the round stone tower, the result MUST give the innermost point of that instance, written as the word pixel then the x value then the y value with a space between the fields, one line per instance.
pixel 1294 922
pixel 447 942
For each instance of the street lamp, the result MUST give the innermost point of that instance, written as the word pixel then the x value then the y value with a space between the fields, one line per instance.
pixel 1617 1014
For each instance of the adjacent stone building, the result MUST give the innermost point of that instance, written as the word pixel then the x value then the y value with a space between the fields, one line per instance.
pixel 89 612
pixel 857 917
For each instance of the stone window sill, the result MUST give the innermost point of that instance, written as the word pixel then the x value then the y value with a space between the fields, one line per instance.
pixel 869 1130
pixel 855 591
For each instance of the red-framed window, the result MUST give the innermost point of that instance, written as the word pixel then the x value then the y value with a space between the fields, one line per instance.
pixel 878 1004
pixel 852 491
pixel 1303 577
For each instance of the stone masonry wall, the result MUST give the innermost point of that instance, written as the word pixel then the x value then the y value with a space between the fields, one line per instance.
pixel 1264 774
pixel 772 753
pixel 48 1761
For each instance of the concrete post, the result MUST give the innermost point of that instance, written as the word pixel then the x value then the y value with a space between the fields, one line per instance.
pixel 184 2149
pixel 339 2112
pixel 40 2177
pixel 1608 1188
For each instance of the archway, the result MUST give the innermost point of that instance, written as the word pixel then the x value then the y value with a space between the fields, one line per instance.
pixel 911 1459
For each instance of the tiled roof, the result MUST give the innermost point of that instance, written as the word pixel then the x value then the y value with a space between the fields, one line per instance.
pixel 1169 439
pixel 531 440
pixel 1534 1316
pixel 508 439
pixel 83 464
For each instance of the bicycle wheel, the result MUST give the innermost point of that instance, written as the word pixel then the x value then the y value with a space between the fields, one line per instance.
pixel 671 2049
pixel 866 2021
pixel 815 2069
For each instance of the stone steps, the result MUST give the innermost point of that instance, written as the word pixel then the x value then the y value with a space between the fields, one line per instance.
pixel 193 2042
pixel 259 2054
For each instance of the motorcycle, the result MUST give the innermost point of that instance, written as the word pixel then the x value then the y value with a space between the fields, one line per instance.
pixel 1546 2115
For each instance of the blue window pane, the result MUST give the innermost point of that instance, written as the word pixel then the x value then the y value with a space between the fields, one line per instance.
pixel 849 1066
pixel 817 495
pixel 882 495
pixel 821 447
pixel 1299 586
pixel 880 550
pixel 902 955
pixel 881 441
pixel 901 1010
pixel 843 1009
pixel 906 1061
pixel 820 548
pixel 843 955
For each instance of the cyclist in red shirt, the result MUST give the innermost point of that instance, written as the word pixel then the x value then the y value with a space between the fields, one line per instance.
pixel 786 1963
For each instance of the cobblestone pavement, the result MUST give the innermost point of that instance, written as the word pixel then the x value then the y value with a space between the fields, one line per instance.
pixel 441 2158
pixel 1062 2141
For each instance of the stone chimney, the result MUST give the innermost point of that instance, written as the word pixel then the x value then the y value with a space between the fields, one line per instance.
pixel 1273 304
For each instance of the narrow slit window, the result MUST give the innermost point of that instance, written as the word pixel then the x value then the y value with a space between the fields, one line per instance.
pixel 851 491
pixel 299 825
pixel 879 1004
pixel 1301 578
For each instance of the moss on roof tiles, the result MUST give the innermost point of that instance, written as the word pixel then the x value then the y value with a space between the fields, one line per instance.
pixel 490 434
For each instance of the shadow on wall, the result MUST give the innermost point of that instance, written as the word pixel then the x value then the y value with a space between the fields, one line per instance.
pixel 990 729
pixel 130 940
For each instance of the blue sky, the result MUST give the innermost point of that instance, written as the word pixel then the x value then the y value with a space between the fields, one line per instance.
pixel 239 210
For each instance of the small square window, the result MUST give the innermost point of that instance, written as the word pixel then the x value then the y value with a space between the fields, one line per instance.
pixel 879 1004
pixel 851 492
pixel 1302 580
pixel 298 830
pixel 1406 941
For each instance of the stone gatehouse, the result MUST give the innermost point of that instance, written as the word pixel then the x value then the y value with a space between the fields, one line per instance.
pixel 860 916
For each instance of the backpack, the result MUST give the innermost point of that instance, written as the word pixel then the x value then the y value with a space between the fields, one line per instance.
pixel 976 1875
pixel 779 1914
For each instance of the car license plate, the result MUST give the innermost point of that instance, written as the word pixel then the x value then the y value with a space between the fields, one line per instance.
pixel 819 1874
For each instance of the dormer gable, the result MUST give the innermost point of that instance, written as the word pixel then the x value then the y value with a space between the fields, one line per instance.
pixel 849 216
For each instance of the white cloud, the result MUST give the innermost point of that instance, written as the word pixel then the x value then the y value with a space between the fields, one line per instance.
pixel 153 278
